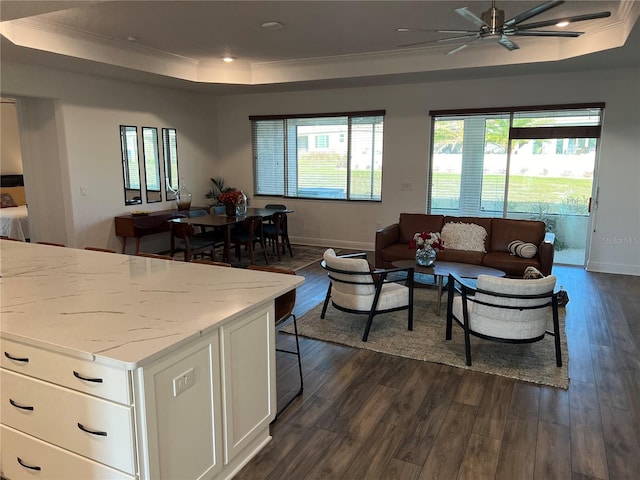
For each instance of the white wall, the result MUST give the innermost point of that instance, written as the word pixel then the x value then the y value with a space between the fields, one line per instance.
pixel 86 113
pixel 10 155
pixel 89 111
pixel 616 241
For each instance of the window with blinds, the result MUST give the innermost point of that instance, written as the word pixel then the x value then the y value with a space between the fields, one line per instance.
pixel 513 161
pixel 327 156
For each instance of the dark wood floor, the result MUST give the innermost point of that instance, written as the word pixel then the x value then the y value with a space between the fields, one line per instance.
pixel 366 415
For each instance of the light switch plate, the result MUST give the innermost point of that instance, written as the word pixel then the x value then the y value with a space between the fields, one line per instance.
pixel 182 382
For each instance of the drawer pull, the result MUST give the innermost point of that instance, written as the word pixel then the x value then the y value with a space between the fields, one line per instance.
pixel 87 379
pixel 92 432
pixel 30 467
pixel 22 407
pixel 16 359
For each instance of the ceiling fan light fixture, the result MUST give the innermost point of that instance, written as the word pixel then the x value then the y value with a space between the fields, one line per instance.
pixel 562 23
pixel 228 59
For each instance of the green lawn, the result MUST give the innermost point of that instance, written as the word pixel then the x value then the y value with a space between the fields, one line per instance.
pixel 551 194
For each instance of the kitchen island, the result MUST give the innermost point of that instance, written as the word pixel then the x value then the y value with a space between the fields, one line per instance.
pixel 116 366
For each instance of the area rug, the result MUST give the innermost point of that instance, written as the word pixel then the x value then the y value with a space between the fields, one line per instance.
pixel 533 362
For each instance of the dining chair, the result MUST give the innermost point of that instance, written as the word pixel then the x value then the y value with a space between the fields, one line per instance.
pixel 184 239
pixel 284 305
pixel 98 249
pixel 154 255
pixel 277 233
pixel 248 235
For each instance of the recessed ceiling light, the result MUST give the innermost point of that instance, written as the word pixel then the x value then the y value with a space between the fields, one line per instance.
pixel 131 38
pixel 273 25
pixel 563 23
pixel 228 59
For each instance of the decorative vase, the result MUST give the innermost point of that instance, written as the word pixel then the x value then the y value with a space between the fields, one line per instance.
pixel 425 257
pixel 183 197
pixel 183 201
pixel 230 209
pixel 241 208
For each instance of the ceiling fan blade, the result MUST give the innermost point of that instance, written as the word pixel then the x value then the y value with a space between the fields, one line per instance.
pixel 508 44
pixel 543 7
pixel 545 33
pixel 408 29
pixel 457 49
pixel 457 31
pixel 472 36
pixel 577 18
pixel 470 16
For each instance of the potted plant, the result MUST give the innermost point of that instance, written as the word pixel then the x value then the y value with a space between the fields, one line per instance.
pixel 218 187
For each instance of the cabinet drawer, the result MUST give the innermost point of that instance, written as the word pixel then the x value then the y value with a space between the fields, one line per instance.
pixel 90 377
pixel 66 418
pixel 48 461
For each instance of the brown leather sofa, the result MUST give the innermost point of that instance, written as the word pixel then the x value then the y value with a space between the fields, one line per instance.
pixel 392 242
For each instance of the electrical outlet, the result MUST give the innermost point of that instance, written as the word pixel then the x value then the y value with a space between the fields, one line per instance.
pixel 83 191
pixel 182 382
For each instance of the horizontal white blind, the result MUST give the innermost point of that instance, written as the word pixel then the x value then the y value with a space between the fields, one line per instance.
pixel 330 157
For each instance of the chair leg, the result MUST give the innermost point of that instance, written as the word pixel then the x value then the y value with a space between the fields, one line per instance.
pixel 326 301
pixel 368 327
pixel 296 352
pixel 556 330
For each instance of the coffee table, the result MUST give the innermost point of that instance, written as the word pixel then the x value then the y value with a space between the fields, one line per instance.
pixel 441 270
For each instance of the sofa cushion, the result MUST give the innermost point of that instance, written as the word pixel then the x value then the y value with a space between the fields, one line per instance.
pixel 506 230
pixel 510 264
pixel 410 223
pixel 460 256
pixel 522 249
pixel 483 222
pixel 464 236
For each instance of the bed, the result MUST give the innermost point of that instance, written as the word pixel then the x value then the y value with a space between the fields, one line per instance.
pixel 14 217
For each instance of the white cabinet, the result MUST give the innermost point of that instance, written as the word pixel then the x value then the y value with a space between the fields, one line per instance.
pixel 248 355
pixel 182 423
pixel 220 417
pixel 201 411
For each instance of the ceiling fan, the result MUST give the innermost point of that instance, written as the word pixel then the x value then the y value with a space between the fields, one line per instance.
pixel 491 25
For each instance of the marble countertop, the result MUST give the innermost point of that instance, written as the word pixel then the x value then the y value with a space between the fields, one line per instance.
pixel 120 309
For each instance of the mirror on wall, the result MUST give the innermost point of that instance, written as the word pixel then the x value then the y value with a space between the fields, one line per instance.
pixel 151 153
pixel 170 149
pixel 130 165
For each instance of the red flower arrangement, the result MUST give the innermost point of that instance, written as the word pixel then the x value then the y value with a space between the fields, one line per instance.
pixel 233 197
pixel 429 241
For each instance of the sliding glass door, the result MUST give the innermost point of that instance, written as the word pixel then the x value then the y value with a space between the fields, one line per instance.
pixel 519 164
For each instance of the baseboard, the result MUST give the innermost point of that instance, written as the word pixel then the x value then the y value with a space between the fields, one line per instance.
pixel 613 268
pixel 333 243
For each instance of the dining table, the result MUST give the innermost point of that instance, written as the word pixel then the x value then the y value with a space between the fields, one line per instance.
pixel 226 222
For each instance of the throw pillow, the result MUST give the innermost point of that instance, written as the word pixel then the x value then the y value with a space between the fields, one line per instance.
pixel 464 236
pixel 6 200
pixel 532 273
pixel 522 249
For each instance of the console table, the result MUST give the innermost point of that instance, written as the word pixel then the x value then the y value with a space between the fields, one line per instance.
pixel 137 226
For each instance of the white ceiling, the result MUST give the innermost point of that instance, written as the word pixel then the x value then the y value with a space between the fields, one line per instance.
pixel 323 43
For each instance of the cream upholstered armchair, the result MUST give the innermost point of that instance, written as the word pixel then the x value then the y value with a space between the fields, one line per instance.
pixel 503 310
pixel 355 287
